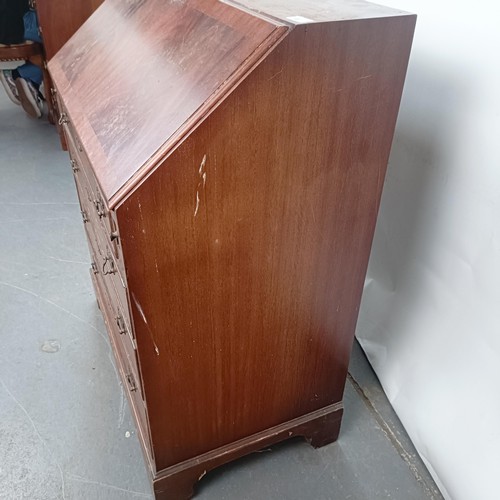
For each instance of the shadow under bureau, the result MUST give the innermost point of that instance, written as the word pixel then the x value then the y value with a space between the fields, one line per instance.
pixel 229 160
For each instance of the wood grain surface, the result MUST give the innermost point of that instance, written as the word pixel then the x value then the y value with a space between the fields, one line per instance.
pixel 247 249
pixel 231 163
pixel 132 77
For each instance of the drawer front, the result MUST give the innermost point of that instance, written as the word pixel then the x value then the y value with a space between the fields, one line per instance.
pixel 105 266
pixel 131 382
pixel 105 216
pixel 103 259
pixel 56 107
pixel 78 150
pixel 118 328
pixel 108 261
pixel 85 194
pixel 107 224
pixel 108 268
pixel 107 272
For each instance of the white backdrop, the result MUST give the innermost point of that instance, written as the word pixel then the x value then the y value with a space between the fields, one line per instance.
pixel 430 316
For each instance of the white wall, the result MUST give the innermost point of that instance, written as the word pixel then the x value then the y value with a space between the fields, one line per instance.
pixel 430 317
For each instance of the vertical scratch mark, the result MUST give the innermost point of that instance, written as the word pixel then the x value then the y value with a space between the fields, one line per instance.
pixel 139 308
pixel 141 312
pixel 202 165
pixel 197 203
pixel 203 176
pixel 275 75
pixel 140 210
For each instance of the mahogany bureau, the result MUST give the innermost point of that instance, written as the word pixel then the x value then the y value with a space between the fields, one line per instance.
pixel 229 160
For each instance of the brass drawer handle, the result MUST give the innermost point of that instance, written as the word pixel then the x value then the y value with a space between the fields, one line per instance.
pixel 120 323
pixel 85 217
pixel 63 119
pixel 108 266
pixel 131 382
pixel 99 207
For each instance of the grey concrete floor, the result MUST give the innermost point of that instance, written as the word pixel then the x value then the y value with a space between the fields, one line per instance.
pixel 66 431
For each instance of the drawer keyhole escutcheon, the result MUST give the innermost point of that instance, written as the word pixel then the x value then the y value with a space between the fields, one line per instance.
pixel 108 266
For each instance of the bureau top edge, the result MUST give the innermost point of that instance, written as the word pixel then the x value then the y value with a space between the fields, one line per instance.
pixel 316 11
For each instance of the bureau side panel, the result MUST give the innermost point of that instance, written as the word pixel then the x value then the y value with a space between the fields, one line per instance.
pixel 246 250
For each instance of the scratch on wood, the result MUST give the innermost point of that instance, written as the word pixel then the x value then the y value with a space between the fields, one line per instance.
pixel 140 213
pixel 202 165
pixel 275 75
pixel 141 312
pixel 139 308
pixel 364 77
pixel 203 179
pixel 197 204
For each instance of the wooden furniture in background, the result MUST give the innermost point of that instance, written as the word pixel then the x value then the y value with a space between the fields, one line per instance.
pixel 22 52
pixel 59 20
pixel 28 51
pixel 229 159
